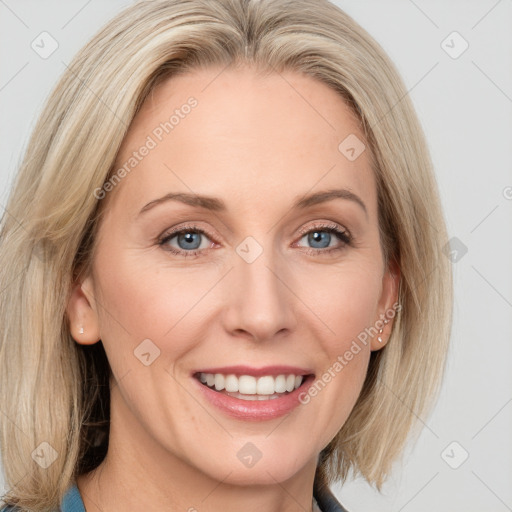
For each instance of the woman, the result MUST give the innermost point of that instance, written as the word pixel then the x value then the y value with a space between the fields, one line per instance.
pixel 222 267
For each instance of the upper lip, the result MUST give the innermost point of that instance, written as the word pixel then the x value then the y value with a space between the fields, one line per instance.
pixel 256 372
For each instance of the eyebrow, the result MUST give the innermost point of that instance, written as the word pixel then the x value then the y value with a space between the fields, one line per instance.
pixel 218 205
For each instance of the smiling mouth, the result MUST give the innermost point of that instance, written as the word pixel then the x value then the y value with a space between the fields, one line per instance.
pixel 248 387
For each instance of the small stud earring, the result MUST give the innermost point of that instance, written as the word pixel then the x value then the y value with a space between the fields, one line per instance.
pixel 81 331
pixel 379 338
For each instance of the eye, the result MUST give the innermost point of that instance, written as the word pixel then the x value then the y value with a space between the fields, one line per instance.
pixel 189 241
pixel 321 237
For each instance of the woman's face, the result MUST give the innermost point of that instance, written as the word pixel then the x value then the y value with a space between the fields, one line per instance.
pixel 241 273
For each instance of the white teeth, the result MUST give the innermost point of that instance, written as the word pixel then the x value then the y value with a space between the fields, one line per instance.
pixel 247 385
pixel 280 384
pixel 265 387
pixel 219 381
pixel 231 383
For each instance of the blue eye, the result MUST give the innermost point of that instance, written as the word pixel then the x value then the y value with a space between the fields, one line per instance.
pixel 188 240
pixel 321 237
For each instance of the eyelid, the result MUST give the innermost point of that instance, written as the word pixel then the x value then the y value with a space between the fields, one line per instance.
pixel 323 225
pixel 184 228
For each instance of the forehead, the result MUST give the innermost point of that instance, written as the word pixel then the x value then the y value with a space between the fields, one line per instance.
pixel 247 134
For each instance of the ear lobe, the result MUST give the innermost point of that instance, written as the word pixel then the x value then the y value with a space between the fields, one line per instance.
pixel 82 316
pixel 389 297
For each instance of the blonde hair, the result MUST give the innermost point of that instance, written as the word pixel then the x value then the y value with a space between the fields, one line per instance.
pixel 55 391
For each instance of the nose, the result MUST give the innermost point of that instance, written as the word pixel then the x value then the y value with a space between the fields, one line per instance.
pixel 260 304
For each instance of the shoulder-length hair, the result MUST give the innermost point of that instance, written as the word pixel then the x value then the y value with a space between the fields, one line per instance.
pixel 55 391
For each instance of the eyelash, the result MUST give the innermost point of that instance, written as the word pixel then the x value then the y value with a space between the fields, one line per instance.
pixel 343 235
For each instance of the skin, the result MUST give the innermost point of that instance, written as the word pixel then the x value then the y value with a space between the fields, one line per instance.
pixel 258 143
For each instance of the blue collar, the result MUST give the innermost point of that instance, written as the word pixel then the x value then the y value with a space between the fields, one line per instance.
pixel 72 501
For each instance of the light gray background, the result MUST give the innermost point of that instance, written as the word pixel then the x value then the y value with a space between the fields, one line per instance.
pixel 465 106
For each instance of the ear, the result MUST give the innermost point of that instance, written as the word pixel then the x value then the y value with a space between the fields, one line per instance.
pixel 81 311
pixel 387 305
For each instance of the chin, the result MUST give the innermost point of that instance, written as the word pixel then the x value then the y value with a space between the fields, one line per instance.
pixel 276 468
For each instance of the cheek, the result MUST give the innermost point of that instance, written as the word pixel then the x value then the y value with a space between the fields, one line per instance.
pixel 345 299
pixel 138 302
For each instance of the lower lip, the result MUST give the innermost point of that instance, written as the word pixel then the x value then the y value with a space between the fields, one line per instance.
pixel 255 410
